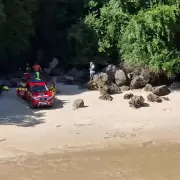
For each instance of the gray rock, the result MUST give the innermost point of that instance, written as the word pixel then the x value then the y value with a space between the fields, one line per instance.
pixel 161 90
pixel 154 98
pixel 110 70
pixel 78 103
pixel 120 78
pixel 136 101
pixel 138 82
pixel 124 88
pixel 114 89
pixel 128 96
pixel 106 97
pixel 148 88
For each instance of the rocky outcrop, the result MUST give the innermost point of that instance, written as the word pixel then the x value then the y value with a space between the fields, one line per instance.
pixel 78 103
pixel 161 90
pixel 110 70
pixel 154 98
pixel 121 78
pixel 138 82
pixel 128 96
pixel 136 101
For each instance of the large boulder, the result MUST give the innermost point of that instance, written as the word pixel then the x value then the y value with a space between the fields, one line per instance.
pixel 161 90
pixel 136 101
pixel 121 78
pixel 154 98
pixel 138 82
pixel 110 70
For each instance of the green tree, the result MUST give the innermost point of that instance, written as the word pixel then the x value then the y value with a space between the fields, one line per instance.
pixel 16 28
pixel 108 26
pixel 148 40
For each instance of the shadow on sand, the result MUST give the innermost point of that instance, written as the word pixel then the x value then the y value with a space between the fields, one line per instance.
pixel 14 111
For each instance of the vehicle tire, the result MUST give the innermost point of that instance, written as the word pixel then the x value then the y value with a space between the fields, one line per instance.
pixel 31 105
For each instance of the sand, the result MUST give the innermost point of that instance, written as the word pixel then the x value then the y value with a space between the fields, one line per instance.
pixel 102 124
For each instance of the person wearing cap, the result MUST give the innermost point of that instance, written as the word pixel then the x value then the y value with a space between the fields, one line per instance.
pixel 92 70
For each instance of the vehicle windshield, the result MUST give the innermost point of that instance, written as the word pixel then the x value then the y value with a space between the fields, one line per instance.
pixel 39 88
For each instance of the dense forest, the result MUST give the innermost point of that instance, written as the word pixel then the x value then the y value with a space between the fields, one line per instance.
pixel 141 33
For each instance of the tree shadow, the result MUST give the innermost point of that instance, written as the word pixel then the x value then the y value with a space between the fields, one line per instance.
pixel 17 112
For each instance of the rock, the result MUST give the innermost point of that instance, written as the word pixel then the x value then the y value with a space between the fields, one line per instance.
pixel 124 88
pixel 106 97
pixel 148 88
pixel 161 90
pixel 165 98
pixel 104 89
pixel 78 103
pixel 114 89
pixel 136 101
pixel 110 70
pixel 100 78
pixel 91 85
pixel 154 98
pixel 138 82
pixel 120 78
pixel 128 96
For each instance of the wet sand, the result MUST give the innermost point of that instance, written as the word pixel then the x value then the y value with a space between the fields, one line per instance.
pixel 150 161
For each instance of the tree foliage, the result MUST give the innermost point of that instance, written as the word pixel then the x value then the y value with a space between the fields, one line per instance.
pixel 140 32
pixel 148 39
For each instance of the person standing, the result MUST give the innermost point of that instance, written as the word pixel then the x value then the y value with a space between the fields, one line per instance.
pixel 36 67
pixel 92 70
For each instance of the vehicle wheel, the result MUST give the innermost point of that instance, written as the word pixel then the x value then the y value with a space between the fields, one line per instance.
pixel 31 105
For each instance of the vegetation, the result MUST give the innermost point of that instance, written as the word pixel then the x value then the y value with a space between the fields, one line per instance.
pixel 142 33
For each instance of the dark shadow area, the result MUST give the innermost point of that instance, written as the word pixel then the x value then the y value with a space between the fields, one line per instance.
pixel 70 89
pixel 14 111
pixel 175 86
pixel 146 105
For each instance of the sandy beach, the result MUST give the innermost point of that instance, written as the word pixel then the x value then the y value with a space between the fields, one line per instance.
pixel 102 124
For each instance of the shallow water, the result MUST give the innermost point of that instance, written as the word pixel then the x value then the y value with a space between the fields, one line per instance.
pixel 147 162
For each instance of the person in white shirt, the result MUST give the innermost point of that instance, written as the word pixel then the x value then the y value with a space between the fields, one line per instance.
pixel 92 70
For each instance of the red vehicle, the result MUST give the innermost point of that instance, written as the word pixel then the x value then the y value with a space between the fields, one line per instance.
pixel 36 92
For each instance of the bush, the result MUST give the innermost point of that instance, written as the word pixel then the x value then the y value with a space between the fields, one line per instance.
pixel 148 39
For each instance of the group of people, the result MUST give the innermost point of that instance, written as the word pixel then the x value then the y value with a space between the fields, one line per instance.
pixel 36 68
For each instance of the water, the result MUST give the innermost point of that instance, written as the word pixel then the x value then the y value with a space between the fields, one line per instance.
pixel 147 162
